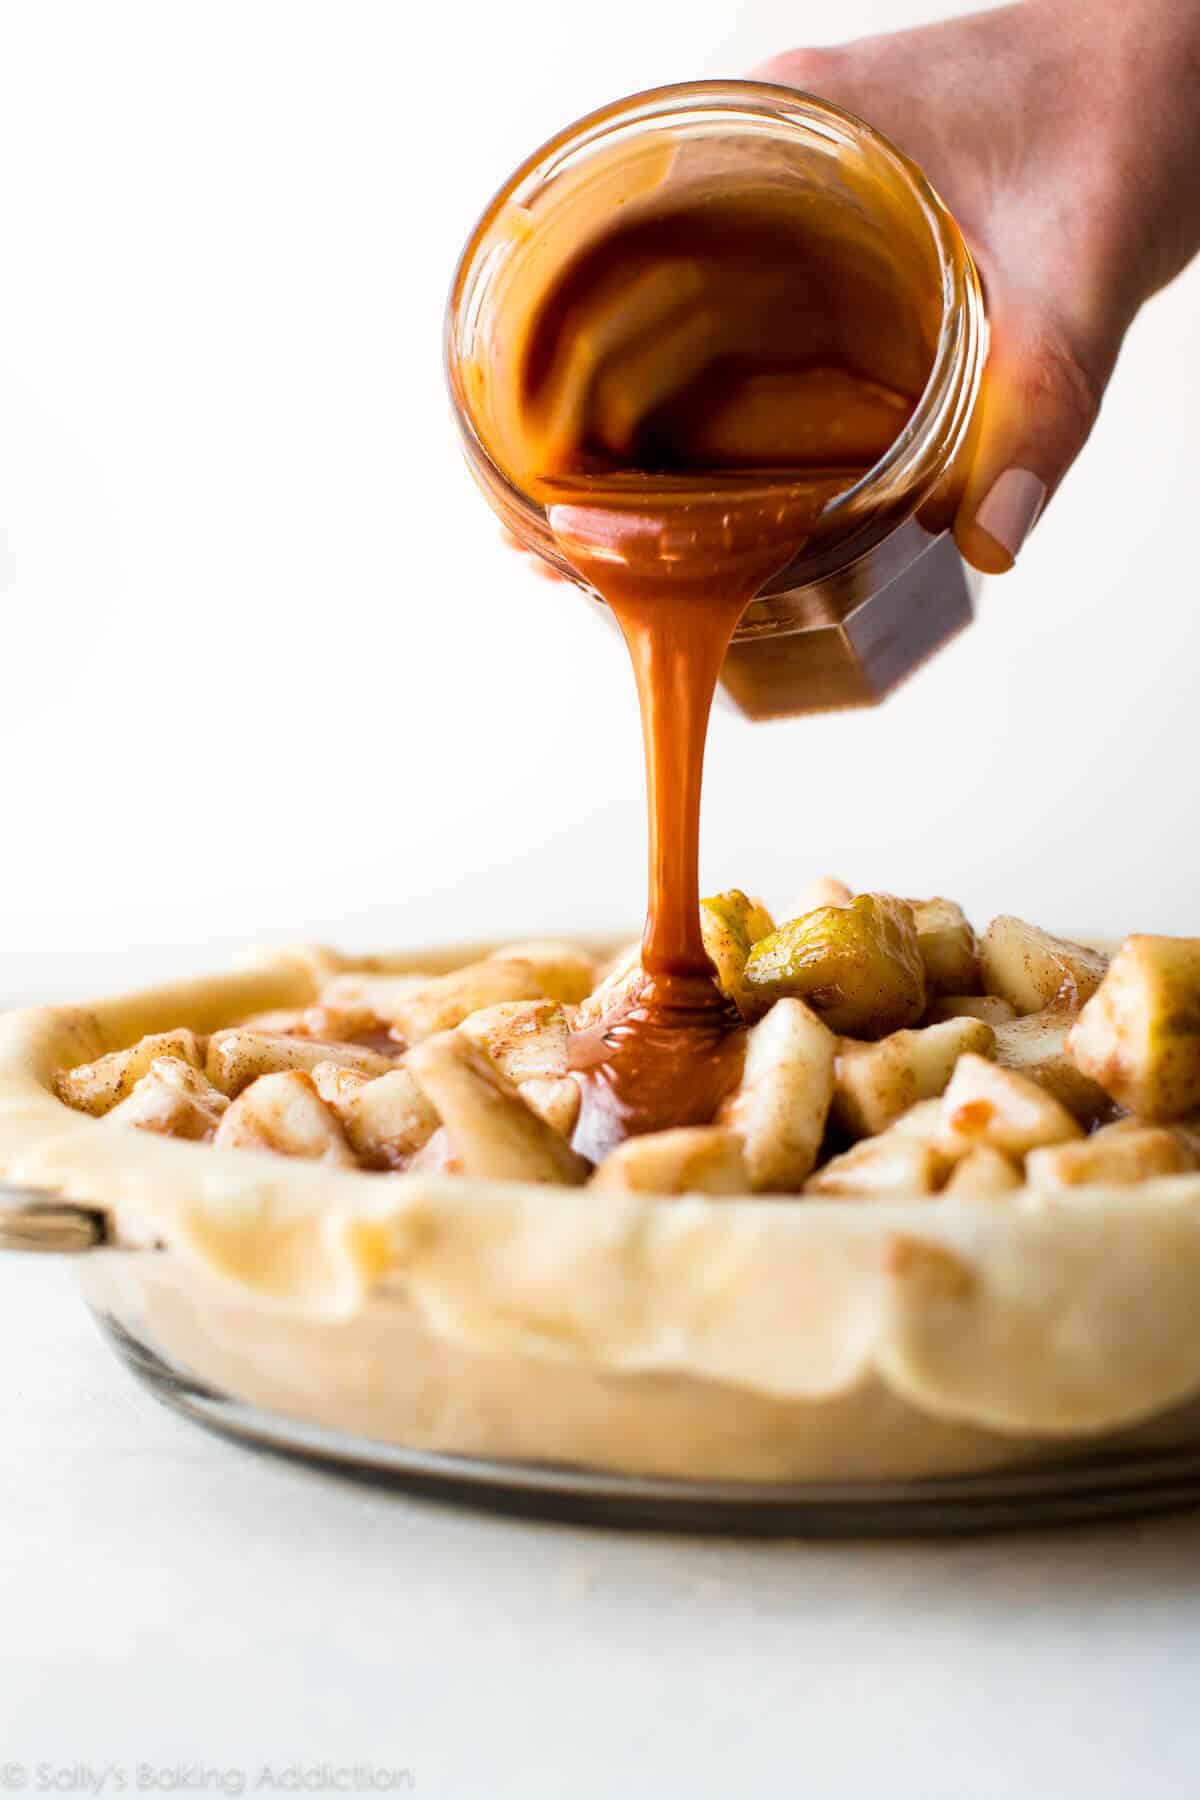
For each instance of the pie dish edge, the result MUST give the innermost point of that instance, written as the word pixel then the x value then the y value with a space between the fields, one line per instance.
pixel 1035 1316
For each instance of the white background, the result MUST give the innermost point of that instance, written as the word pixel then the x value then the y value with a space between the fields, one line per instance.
pixel 269 671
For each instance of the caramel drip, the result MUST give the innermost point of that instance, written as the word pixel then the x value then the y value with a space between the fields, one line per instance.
pixel 675 1048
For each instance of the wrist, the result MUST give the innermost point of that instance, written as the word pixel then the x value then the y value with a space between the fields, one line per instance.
pixel 1143 104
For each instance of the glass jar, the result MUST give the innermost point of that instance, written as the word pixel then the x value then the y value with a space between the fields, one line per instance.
pixel 880 584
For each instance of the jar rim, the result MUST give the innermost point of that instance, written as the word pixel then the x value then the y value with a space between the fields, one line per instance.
pixel 955 372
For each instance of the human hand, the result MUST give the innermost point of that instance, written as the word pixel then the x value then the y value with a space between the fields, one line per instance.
pixel 1064 135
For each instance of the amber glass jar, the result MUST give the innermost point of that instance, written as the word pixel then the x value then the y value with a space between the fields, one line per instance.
pixel 879 584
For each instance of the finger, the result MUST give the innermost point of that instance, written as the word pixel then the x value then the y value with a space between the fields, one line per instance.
pixel 1038 406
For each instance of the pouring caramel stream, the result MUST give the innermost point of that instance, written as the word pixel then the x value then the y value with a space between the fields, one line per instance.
pixel 678 569
pixel 683 401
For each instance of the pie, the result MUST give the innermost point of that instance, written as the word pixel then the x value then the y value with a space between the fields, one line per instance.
pixel 947 1217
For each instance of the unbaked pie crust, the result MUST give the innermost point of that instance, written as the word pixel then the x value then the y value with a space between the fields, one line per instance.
pixel 754 1339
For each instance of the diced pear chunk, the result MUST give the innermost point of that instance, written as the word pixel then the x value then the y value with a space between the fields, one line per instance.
pixel 948 947
pixel 358 1000
pixel 985 1172
pixel 284 1113
pixel 96 1087
pixel 1036 1046
pixel 781 1104
pixel 730 924
pixel 617 983
pixel 282 1021
pixel 555 1098
pixel 172 1098
pixel 727 946
pixel 759 923
pixel 1139 1037
pixel 524 1038
pixel 444 1001
pixel 337 1022
pixel 528 1042
pixel 386 1118
pixel 888 1167
pixel 988 1105
pixel 876 1083
pixel 1033 970
pixel 491 1131
pixel 859 966
pixel 330 1024
pixel 920 1121
pixel 564 973
pixel 691 1159
pixel 1112 1157
pixel 237 1057
pixel 749 918
pixel 336 1085
pixel 988 1007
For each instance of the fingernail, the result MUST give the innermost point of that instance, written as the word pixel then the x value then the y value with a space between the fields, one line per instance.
pixel 1010 509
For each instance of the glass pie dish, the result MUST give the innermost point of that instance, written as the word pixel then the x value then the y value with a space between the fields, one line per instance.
pixel 754 1364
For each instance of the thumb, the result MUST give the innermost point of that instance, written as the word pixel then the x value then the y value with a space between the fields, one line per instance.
pixel 1039 402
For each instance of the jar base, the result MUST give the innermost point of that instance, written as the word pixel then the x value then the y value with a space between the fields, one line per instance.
pixel 849 641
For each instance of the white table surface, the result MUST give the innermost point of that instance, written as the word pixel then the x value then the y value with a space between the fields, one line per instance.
pixel 178 1610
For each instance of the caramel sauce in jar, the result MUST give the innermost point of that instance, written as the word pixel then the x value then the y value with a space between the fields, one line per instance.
pixel 695 349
